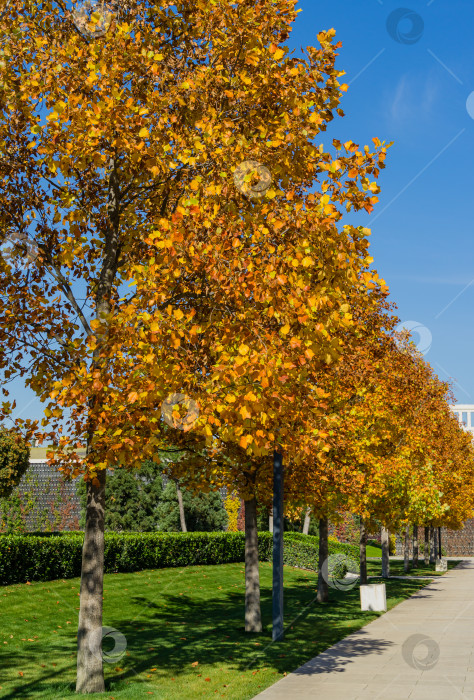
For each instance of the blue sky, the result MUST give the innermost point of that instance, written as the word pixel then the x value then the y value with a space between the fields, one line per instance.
pixel 415 94
pixel 411 86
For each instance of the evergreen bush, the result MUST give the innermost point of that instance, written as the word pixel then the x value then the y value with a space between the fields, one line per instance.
pixel 48 556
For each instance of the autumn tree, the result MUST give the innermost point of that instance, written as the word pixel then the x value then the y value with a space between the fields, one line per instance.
pixel 393 439
pixel 160 237
pixel 14 460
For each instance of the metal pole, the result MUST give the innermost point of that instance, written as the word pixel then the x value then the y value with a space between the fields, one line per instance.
pixel 277 592
pixel 439 541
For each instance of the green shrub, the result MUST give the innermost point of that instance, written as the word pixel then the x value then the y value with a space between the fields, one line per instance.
pixel 340 564
pixel 47 556
pixel 302 550
pixel 392 545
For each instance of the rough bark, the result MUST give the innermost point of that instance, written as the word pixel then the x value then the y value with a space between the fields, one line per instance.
pixel 385 538
pixel 270 520
pixel 432 546
pixel 415 547
pixel 307 520
pixel 363 552
pixel 406 549
pixel 427 546
pixel 323 588
pixel 253 618
pixel 90 677
pixel 182 517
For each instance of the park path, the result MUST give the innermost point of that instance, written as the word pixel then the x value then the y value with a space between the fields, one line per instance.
pixel 385 660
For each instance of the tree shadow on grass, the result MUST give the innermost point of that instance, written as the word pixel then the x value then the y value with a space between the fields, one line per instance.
pixel 174 631
pixel 31 656
pixel 184 631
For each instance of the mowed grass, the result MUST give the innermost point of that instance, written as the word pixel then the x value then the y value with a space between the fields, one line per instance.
pixel 371 551
pixel 396 568
pixel 184 630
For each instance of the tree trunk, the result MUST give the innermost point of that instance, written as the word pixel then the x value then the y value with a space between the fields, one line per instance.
pixel 323 589
pixel 90 675
pixel 427 545
pixel 385 538
pixel 307 520
pixel 90 672
pixel 270 520
pixel 253 619
pixel 415 546
pixel 363 552
pixel 432 547
pixel 406 549
pixel 182 518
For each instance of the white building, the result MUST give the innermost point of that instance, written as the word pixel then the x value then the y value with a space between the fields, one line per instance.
pixel 465 415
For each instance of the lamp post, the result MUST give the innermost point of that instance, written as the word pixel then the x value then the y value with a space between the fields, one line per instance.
pixel 277 590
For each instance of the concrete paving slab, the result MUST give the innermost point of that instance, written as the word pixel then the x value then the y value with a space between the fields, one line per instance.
pixel 423 649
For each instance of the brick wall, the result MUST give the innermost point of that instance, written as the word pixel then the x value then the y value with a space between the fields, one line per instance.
pixel 457 543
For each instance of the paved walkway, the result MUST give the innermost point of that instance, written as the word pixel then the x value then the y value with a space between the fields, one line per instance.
pixel 388 660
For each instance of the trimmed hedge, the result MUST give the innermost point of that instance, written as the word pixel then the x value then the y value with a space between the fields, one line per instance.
pixel 302 550
pixel 48 556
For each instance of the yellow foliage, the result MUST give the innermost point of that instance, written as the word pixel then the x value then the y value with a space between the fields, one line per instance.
pixel 232 506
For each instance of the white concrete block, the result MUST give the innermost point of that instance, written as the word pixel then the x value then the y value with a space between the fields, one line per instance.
pixel 442 564
pixel 373 596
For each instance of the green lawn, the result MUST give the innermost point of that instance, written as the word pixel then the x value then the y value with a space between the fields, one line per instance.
pixel 396 568
pixel 184 632
pixel 371 551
